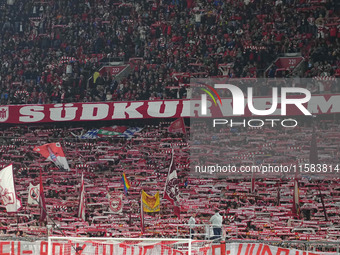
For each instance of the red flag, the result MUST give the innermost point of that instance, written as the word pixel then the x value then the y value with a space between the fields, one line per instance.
pixel 141 213
pixel 177 211
pixel 81 210
pixel 42 203
pixel 177 126
pixel 171 191
pixel 53 152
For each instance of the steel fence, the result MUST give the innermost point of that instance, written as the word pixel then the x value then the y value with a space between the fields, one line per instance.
pixel 323 246
pixel 310 246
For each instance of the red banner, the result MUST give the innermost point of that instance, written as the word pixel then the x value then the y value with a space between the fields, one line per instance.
pixel 288 62
pixel 319 104
pixel 90 246
pixel 112 70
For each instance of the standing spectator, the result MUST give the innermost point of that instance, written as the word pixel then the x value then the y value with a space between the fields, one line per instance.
pixel 216 222
pixel 192 222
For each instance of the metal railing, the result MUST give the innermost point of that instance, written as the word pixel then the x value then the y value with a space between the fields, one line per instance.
pixel 313 245
pixel 296 244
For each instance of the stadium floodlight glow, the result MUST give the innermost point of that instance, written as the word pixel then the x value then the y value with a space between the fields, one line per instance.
pixel 239 100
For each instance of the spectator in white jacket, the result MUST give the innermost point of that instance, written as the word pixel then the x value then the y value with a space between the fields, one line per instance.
pixel 192 222
pixel 216 222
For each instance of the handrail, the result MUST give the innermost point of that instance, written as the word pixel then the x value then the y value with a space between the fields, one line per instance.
pixel 308 246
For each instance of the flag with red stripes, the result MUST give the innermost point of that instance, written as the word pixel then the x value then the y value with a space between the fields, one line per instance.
pixel 177 126
pixel 53 152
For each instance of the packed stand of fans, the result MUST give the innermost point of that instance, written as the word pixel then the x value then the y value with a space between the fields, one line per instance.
pixel 50 50
pixel 265 214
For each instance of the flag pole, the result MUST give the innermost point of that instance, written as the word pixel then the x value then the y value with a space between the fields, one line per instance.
pixel 296 193
pixel 279 193
pixel 17 220
pixel 54 224
pixel 252 183
pixel 16 210
pixel 48 216
pixel 130 212
pixel 41 190
pixel 323 203
pixel 185 130
pixel 142 212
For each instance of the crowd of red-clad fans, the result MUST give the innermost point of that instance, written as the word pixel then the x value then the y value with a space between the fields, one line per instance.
pixel 263 214
pixel 51 50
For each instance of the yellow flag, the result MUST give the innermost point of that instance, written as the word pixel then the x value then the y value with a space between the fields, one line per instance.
pixel 95 76
pixel 150 203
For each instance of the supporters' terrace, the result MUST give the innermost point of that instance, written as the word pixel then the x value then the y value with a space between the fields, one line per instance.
pixel 265 214
pixel 74 51
pixel 62 51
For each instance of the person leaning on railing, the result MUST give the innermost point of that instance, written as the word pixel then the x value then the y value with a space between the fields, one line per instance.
pixel 216 222
pixel 192 222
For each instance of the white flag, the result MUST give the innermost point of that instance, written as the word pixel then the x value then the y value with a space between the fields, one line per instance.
pixel 7 191
pixel 33 194
pixel 115 202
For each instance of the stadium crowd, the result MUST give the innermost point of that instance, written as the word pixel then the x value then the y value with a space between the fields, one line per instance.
pixel 51 50
pixel 263 214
